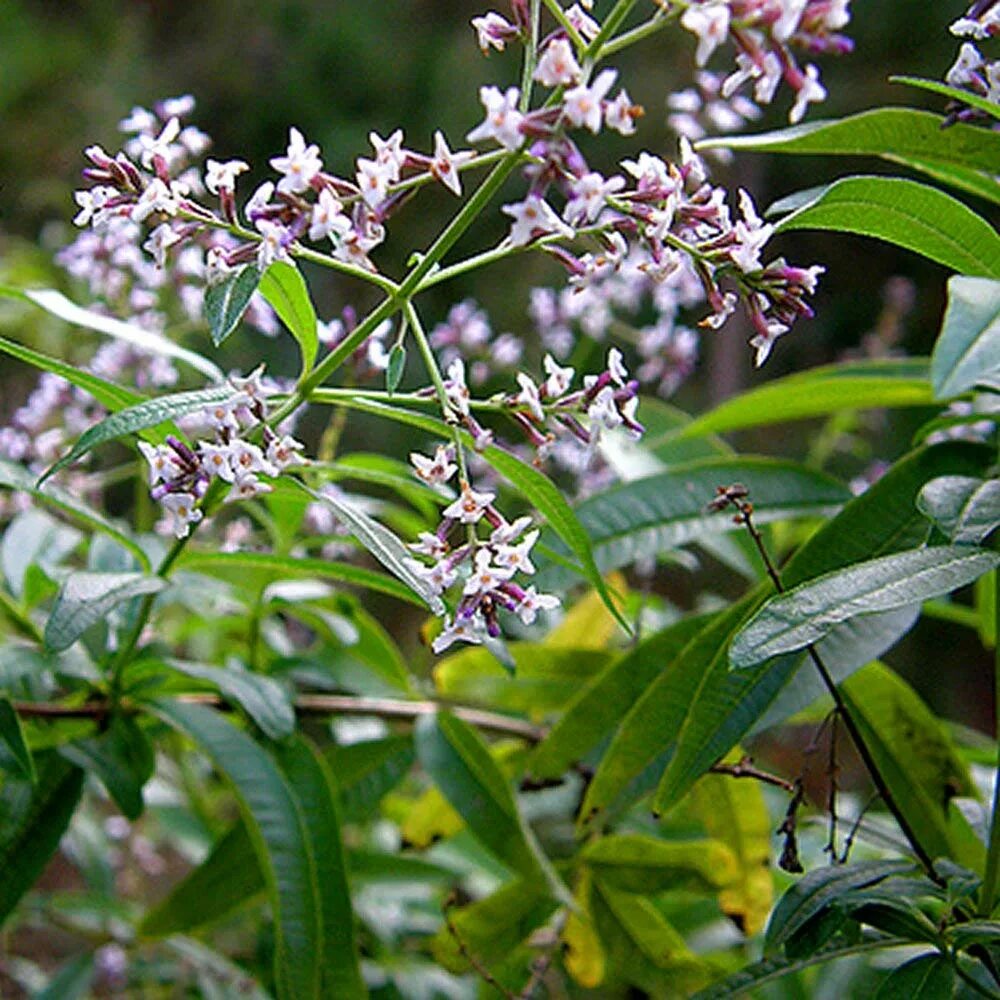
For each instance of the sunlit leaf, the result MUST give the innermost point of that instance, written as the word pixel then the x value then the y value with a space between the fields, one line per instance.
pixel 285 289
pixel 226 301
pixel 966 509
pixel 968 348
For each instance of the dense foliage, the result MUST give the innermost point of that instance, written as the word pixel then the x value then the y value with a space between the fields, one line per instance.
pixel 279 716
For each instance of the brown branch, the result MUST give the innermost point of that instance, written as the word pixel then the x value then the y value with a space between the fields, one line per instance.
pixel 463 949
pixel 746 769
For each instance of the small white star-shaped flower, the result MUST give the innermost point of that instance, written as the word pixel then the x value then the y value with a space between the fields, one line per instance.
pixel 445 164
pixel 299 165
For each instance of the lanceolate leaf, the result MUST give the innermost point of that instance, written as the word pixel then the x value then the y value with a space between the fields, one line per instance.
pixel 899 133
pixel 227 300
pixel 966 509
pixel 86 598
pixel 56 303
pixel 35 818
pixel 807 613
pixel 818 393
pixel 955 93
pixel 15 477
pixel 670 509
pixel 136 418
pixel 285 289
pixel 456 758
pixel 12 737
pixel 280 838
pixel 961 178
pixel 908 214
pixel 928 977
pixel 968 348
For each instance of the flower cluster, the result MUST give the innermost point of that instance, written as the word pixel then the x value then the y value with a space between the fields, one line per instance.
pixel 971 71
pixel 466 334
pixel 701 110
pixel 485 566
pixel 180 474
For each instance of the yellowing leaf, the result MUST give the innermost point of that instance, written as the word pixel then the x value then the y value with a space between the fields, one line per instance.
pixel 430 818
pixel 589 624
pixel 584 957
pixel 735 813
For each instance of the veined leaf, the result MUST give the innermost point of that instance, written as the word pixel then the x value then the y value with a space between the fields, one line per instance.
pixel 381 543
pixel 14 477
pixel 285 289
pixel 976 182
pixel 280 838
pixel 900 133
pixel 226 301
pixel 955 93
pixel 908 214
pixel 12 737
pixel 238 564
pixel 818 889
pixel 136 418
pixel 670 509
pixel 34 819
pixel 914 754
pixel 367 770
pixel 966 509
pixel 228 878
pixel 968 348
pixel 807 613
pixel 460 764
pixel 86 598
pixel 583 954
pixel 927 977
pixel 312 783
pixel 146 340
pixel 818 393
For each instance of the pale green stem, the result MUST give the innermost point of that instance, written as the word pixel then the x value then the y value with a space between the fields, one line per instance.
pixel 530 59
pixel 991 879
pixel 555 9
pixel 656 23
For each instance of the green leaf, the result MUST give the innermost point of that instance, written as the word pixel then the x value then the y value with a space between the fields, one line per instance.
pixel 897 133
pixel 395 368
pixel 964 936
pixel 146 340
pixel 968 348
pixel 12 737
pixel 15 477
pixel 367 770
pixel 226 301
pixel 114 397
pixel 970 181
pixel 262 698
pixel 966 509
pixel 983 104
pixel 236 565
pixel 136 418
pixel 908 214
pixel 310 779
pixel 459 763
pixel 280 839
pixel 385 546
pixel 285 289
pixel 818 889
pixel 228 878
pixel 635 862
pixel 33 819
pixel 123 760
pixel 928 977
pixel 87 598
pixel 668 510
pixel 71 982
pixel 602 703
pixel 818 393
pixel 914 754
pixel 807 613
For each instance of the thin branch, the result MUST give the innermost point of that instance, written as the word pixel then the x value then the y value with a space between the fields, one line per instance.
pixel 463 948
pixel 746 769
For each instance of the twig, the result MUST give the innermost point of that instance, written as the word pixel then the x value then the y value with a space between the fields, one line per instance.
pixel 789 860
pixel 855 827
pixel 832 773
pixel 463 948
pixel 746 769
pixel 542 963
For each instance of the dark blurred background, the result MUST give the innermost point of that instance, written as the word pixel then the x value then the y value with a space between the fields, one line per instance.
pixel 70 70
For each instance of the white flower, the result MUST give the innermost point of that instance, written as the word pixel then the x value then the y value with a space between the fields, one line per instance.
pixel 534 217
pixel 508 532
pixel 751 235
pixel 763 342
pixel 710 22
pixel 374 178
pixel 492 30
pixel 620 114
pixel 162 464
pixel 300 164
pixel 92 202
pixel 246 458
pixel 160 239
pixel 788 22
pixel 485 578
pixel 456 387
pixel 503 120
pixel 469 507
pixel 153 146
pixel 463 630
pixel 438 577
pixel 272 244
pixel 156 198
pixel 428 544
pixel 532 603
pixel 438 469
pixel 246 487
pixel 968 63
pixel 559 378
pixel 582 104
pixel 810 92
pixel 215 460
pixel 726 309
pixel 389 152
pixel 582 21
pixel 603 411
pixel 649 171
pixel 589 196
pixel 181 507
pixel 557 66
pixel 518 557
pixel 284 452
pixel 138 120
pixel 258 200
pixel 616 367
pixel 223 175
pixel 529 396
pixel 328 217
pixel 445 164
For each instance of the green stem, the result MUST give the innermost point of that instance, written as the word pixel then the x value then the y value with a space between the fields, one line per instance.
pixel 991 879
pixel 555 9
pixel 19 618
pixel 530 58
pixel 656 23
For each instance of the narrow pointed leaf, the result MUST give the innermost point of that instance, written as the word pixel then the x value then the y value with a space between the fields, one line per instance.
pixel 396 367
pixel 136 418
pixel 807 613
pixel 964 179
pixel 285 289
pixel 86 598
pixel 280 838
pixel 226 301
pixel 928 977
pixel 967 351
pixel 966 509
pixel 12 737
pixel 146 340
pixel 955 93
pixel 908 214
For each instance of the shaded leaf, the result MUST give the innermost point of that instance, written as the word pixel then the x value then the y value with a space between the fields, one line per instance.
pixel 367 770
pixel 285 289
pixel 966 509
pixel 87 598
pixel 967 350
pixel 955 93
pixel 395 368
pixel 928 977
pixel 12 737
pixel 227 299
